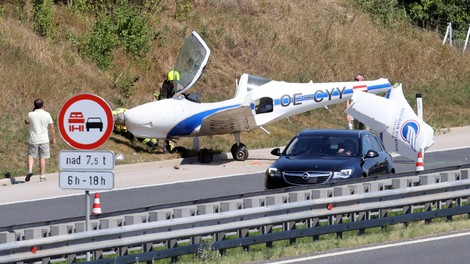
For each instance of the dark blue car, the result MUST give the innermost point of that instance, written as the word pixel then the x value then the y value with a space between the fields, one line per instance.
pixel 320 156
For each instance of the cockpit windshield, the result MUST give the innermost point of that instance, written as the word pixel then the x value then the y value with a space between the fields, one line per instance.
pixel 190 62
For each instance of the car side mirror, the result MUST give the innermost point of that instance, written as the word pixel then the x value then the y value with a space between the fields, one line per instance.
pixel 371 154
pixel 276 152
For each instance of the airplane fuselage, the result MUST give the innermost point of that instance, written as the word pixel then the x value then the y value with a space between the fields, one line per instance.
pixel 253 106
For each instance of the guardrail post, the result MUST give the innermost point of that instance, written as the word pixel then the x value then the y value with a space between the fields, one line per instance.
pixel 159 216
pixel 406 210
pixel 446 177
pixel 363 216
pixel 464 174
pixel 428 179
pixel 182 212
pixel 339 191
pixel 297 196
pixel 79 227
pixel 339 220
pixel 56 230
pixel 206 209
pixel 71 258
pixel 274 199
pixel 315 222
pixel 427 208
pixel 248 203
pixel 287 226
pixel 109 223
pixel 401 183
pixel 133 219
pixel 33 233
pixel 353 189
pixel 7 237
pixel 252 202
pixel 172 243
pixel 229 206
pixel 219 237
pixel 123 251
pixel 449 205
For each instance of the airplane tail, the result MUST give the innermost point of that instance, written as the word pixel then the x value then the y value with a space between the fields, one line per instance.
pixel 402 131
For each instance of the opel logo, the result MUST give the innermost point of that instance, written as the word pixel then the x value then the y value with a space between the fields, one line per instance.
pixel 305 176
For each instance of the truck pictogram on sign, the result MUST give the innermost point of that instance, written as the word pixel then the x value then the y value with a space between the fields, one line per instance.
pixel 76 121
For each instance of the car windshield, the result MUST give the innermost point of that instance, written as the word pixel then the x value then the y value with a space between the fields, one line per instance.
pixel 323 145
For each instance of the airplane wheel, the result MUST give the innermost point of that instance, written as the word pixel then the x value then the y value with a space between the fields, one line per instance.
pixel 181 150
pixel 235 146
pixel 240 153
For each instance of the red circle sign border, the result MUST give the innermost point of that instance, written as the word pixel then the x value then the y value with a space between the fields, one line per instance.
pixel 109 116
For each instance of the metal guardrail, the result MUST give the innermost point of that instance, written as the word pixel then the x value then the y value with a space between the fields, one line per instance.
pixel 310 213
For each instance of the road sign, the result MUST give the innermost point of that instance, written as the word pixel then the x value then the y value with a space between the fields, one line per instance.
pixel 85 121
pixel 86 160
pixel 86 180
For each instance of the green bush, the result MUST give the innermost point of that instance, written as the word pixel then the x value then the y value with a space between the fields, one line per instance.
pixel 132 30
pixel 386 11
pixel 124 27
pixel 183 8
pixel 43 17
pixel 101 42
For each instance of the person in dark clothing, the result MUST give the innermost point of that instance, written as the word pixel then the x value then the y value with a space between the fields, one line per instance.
pixel 167 89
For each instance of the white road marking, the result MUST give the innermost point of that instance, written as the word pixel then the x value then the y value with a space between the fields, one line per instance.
pixel 353 251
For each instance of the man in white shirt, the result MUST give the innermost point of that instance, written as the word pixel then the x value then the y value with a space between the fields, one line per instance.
pixel 40 125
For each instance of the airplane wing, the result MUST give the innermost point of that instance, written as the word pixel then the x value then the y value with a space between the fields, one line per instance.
pixel 403 132
pixel 228 121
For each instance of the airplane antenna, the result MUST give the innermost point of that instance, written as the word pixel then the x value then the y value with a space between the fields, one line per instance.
pixel 419 105
pixel 265 130
pixel 326 107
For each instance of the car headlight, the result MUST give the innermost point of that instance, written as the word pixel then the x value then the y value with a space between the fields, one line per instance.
pixel 273 172
pixel 343 174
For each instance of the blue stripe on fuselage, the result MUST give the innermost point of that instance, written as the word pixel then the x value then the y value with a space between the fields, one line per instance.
pixel 185 127
pixel 309 97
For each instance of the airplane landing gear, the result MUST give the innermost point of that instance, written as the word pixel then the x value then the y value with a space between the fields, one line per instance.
pixel 239 152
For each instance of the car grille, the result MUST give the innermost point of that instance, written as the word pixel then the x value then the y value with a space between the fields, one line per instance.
pixel 306 177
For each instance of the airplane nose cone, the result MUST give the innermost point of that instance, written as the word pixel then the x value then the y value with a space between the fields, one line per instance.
pixel 138 120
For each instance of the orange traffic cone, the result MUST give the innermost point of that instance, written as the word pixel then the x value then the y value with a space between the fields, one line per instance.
pixel 96 205
pixel 420 162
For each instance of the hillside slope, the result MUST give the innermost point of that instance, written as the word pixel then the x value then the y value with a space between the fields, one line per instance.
pixel 295 41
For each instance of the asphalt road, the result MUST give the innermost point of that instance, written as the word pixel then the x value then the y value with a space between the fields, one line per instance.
pixel 158 194
pixel 159 183
pixel 432 250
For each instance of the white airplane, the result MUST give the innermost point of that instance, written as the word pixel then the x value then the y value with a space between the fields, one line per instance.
pixel 402 130
pixel 257 102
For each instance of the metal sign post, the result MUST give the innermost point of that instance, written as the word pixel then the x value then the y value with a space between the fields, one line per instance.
pixel 87 218
pixel 86 123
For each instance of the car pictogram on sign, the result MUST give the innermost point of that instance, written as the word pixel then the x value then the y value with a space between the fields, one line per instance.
pixel 76 121
pixel 94 122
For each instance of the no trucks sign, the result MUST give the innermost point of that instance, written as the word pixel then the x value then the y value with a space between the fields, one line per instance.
pixel 85 121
